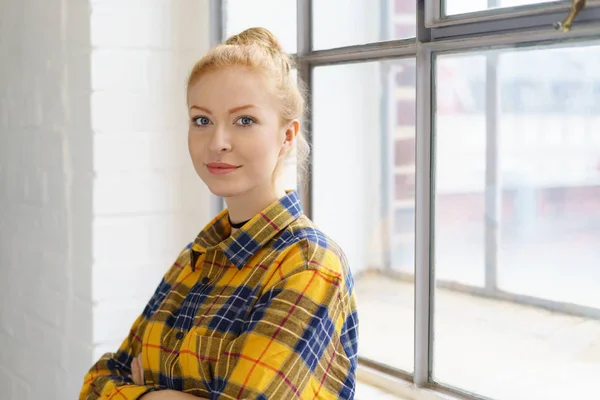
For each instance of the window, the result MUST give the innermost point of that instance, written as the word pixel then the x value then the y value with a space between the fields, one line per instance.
pixel 363 139
pixel 517 216
pixel 467 156
pixel 279 16
pixel 460 6
pixel 361 22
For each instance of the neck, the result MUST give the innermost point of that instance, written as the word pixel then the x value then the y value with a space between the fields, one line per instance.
pixel 246 205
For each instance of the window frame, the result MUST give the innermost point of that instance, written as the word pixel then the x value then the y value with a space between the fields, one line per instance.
pixel 536 14
pixel 436 34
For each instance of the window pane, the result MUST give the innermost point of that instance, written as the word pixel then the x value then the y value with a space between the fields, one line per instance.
pixel 278 16
pixel 461 6
pixel 363 195
pixel 517 217
pixel 337 24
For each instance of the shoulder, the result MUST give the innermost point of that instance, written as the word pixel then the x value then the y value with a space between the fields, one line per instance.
pixel 306 247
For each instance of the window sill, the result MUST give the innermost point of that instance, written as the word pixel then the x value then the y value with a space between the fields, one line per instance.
pixel 397 388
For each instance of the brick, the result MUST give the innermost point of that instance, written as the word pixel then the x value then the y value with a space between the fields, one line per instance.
pixel 122 237
pixel 119 238
pixel 405 7
pixel 121 70
pixel 136 193
pixel 137 113
pixel 78 27
pixel 131 26
pixel 140 151
pixel 404 151
pixel 406 112
pixel 113 283
pixel 404 187
pixel 81 329
pixel 43 338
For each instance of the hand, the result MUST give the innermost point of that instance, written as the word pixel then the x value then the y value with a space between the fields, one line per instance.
pixel 168 395
pixel 137 375
pixel 137 371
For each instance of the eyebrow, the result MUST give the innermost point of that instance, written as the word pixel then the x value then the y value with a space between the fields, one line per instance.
pixel 233 110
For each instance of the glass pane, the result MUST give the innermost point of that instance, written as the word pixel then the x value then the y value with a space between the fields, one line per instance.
pixel 363 193
pixel 336 24
pixel 461 6
pixel 278 16
pixel 517 217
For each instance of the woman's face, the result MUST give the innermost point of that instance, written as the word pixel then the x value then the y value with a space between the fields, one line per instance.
pixel 235 137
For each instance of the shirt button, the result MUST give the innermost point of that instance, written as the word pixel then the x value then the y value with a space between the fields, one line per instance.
pixel 205 280
pixel 179 335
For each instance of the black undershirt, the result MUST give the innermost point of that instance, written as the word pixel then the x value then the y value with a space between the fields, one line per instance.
pixel 238 225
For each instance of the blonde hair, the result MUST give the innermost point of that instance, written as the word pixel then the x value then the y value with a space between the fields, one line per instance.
pixel 259 50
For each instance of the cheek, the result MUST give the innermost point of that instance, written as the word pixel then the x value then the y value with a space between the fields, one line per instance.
pixel 265 153
pixel 195 144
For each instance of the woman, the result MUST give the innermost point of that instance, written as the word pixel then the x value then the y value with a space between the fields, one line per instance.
pixel 261 304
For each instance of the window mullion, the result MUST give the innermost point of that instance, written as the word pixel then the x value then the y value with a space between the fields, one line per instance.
pixel 423 207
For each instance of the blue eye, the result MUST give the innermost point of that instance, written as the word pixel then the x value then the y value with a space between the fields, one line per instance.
pixel 245 121
pixel 201 121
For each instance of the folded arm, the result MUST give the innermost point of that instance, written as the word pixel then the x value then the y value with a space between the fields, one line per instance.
pixel 110 378
pixel 292 346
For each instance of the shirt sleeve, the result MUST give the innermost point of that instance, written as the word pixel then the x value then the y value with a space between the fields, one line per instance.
pixel 109 378
pixel 292 345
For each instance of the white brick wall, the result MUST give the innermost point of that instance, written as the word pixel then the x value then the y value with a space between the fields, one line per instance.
pixel 95 181
pixel 148 201
pixel 45 199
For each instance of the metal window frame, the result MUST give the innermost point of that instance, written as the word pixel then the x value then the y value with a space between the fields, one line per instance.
pixel 436 35
pixel 435 16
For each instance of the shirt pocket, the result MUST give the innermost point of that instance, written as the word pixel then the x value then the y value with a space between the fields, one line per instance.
pixel 199 358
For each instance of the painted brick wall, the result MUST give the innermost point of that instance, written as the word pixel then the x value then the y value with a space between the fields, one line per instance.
pixel 97 194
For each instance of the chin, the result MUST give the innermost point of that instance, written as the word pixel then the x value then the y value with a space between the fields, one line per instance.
pixel 223 189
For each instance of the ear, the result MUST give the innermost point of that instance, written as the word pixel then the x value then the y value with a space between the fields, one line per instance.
pixel 290 136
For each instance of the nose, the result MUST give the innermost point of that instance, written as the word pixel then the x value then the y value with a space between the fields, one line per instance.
pixel 220 141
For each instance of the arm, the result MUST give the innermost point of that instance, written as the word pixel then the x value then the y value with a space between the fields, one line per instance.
pixel 292 345
pixel 109 377
pixel 168 395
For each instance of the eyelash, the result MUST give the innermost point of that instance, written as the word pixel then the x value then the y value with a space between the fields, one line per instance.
pixel 198 117
pixel 246 117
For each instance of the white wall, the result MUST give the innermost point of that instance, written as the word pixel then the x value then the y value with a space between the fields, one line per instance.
pixel 97 194
pixel 148 201
pixel 45 198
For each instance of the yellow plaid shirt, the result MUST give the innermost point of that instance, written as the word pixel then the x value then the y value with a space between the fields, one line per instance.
pixel 267 312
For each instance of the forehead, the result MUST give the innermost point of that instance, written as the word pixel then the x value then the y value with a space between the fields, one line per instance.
pixel 231 87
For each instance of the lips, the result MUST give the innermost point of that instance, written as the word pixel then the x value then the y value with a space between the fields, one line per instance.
pixel 221 168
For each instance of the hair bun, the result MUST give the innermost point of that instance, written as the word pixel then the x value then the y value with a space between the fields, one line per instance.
pixel 258 37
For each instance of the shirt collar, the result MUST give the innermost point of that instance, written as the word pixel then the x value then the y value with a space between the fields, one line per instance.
pixel 246 241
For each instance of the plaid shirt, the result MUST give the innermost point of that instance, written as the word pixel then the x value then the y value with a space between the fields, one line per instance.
pixel 265 313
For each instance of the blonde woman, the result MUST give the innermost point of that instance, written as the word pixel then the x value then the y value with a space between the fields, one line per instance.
pixel 261 304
